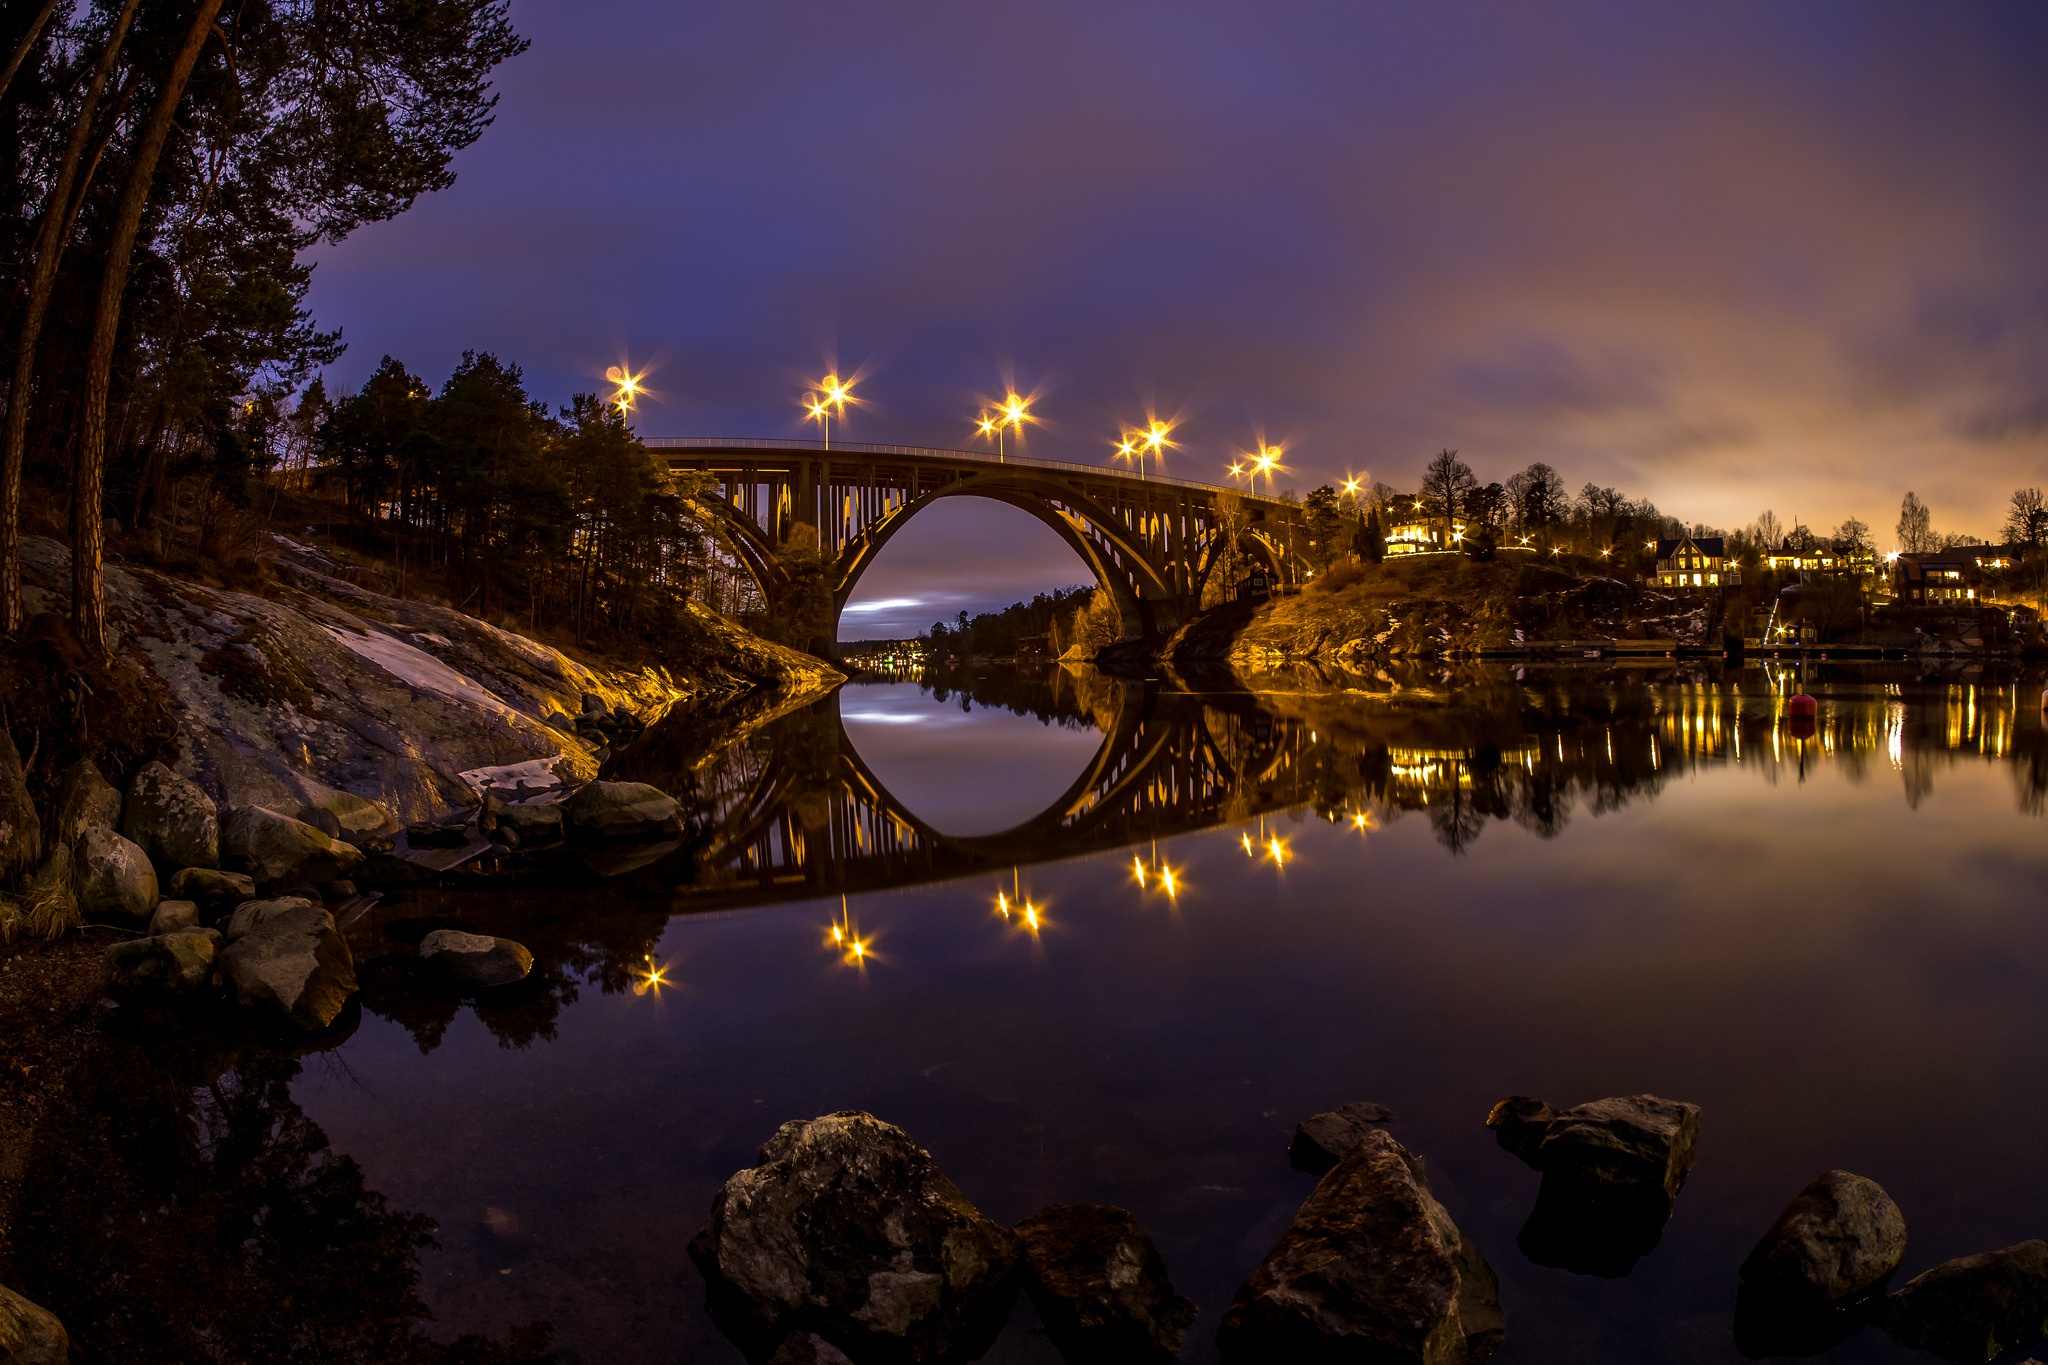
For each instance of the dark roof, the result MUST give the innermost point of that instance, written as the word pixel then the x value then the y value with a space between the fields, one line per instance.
pixel 1714 547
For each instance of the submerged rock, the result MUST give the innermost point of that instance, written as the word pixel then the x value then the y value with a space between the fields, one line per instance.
pixel 848 1229
pixel 1100 1286
pixel 1838 1240
pixel 475 961
pixel 213 890
pixel 276 849
pixel 537 823
pixel 1323 1140
pixel 287 958
pixel 1625 1143
pixel 113 877
pixel 21 832
pixel 621 810
pixel 164 967
pixel 84 799
pixel 30 1334
pixel 1974 1308
pixel 173 821
pixel 1519 1124
pixel 1372 1269
pixel 807 1348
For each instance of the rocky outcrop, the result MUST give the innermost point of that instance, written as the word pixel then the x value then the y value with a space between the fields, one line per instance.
pixel 285 958
pixel 1975 1308
pixel 173 821
pixel 847 1229
pixel 163 968
pixel 1372 1269
pixel 1323 1140
pixel 84 799
pixel 1100 1286
pixel 113 878
pixel 1837 1241
pixel 621 810
pixel 475 962
pixel 214 891
pixel 21 832
pixel 276 849
pixel 1611 1170
pixel 30 1334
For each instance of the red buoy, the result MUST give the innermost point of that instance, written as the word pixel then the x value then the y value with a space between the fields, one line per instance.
pixel 1802 706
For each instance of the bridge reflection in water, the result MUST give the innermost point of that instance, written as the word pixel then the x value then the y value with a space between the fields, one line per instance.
pixel 792 811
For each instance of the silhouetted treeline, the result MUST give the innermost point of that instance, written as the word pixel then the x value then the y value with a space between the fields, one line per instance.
pixel 1044 625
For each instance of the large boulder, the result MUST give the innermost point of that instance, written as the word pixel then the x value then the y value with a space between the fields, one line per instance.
pixel 276 849
pixel 171 916
pixel 1100 1286
pixel 536 823
pixel 113 878
pixel 848 1229
pixel 1974 1308
pixel 165 967
pixel 1837 1241
pixel 21 832
pixel 29 1334
pixel 173 821
pixel 621 810
pixel 212 890
pixel 1371 1270
pixel 1629 1142
pixel 475 962
pixel 1323 1140
pixel 286 957
pixel 84 799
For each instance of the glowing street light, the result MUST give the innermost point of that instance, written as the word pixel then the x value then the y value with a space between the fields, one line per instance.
pixel 626 387
pixel 1150 439
pixel 828 400
pixel 1127 449
pixel 1012 413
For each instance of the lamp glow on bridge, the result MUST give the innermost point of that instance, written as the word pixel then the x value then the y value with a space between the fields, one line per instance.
pixel 1265 462
pixel 828 400
pixel 1150 439
pixel 1011 414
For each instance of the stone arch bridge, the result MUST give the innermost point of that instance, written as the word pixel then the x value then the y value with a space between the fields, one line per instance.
pixel 1150 541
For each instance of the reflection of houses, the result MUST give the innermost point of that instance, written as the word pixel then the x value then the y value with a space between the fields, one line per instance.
pixel 1695 563
pixel 1943 577
pixel 1821 557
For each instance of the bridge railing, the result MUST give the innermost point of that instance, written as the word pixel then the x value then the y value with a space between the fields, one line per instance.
pixel 989 457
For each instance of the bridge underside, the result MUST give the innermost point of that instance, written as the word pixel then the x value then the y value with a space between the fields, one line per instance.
pixel 1151 543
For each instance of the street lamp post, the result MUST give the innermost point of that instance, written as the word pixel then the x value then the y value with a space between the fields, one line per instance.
pixel 830 397
pixel 1012 413
pixel 626 387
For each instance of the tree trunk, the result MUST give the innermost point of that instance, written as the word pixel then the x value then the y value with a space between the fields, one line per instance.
pixel 51 234
pixel 88 535
pixel 28 42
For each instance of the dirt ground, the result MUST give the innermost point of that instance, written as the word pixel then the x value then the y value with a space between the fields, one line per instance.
pixel 49 997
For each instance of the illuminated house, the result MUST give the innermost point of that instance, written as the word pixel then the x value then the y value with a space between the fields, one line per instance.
pixel 1411 530
pixel 1946 576
pixel 1831 557
pixel 1695 564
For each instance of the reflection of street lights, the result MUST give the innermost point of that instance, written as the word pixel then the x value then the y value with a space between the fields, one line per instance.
pixel 831 397
pixel 1013 412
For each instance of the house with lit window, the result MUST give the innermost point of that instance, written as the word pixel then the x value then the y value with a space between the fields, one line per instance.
pixel 1946 577
pixel 1411 531
pixel 1820 556
pixel 1695 564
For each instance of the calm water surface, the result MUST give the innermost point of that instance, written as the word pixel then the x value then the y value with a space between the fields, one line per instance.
pixel 1429 892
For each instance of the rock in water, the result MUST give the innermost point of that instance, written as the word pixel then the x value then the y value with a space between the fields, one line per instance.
pixel 21 833
pixel 214 891
pixel 166 967
pixel 621 810
pixel 1100 1286
pixel 173 821
pixel 1519 1124
pixel 276 849
pixel 113 878
pixel 1838 1240
pixel 84 798
pixel 539 823
pixel 1974 1308
pixel 287 957
pixel 476 961
pixel 1628 1142
pixel 806 1348
pixel 1323 1140
pixel 848 1229
pixel 30 1335
pixel 1371 1270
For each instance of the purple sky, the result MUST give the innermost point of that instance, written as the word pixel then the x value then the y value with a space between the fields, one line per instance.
pixel 1736 257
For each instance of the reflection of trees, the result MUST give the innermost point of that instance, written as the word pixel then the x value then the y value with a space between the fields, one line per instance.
pixel 183 1208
